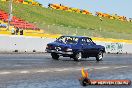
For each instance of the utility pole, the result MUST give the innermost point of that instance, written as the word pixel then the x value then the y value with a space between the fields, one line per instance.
pixel 10 14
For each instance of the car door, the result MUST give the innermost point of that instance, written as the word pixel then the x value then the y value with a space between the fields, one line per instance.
pixel 92 50
pixel 85 47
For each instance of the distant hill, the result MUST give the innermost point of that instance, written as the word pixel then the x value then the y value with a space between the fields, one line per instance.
pixel 69 23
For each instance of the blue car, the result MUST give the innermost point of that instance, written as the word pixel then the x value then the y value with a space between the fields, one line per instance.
pixel 76 47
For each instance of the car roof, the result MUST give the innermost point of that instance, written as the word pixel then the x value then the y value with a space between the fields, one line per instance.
pixel 76 36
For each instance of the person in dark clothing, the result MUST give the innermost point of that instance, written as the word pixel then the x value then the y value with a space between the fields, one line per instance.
pixel 49 5
pixel 17 31
pixel 21 32
pixel 130 19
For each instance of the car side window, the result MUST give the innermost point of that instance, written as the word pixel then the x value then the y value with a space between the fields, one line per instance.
pixel 84 41
pixel 89 42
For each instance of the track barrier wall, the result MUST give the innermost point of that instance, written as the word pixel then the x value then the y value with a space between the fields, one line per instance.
pixel 36 44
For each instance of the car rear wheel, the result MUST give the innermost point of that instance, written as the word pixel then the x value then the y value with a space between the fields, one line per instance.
pixel 55 56
pixel 99 56
pixel 77 56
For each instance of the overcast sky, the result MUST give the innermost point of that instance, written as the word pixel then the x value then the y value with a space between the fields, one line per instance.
pixel 120 7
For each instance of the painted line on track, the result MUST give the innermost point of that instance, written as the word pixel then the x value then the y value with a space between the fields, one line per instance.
pixel 24 72
pixel 121 67
pixel 42 71
pixel 102 68
pixel 5 73
pixel 56 70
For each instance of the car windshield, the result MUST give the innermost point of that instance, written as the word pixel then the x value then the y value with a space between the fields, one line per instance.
pixel 67 40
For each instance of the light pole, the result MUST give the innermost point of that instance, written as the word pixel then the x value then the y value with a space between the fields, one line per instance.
pixel 10 14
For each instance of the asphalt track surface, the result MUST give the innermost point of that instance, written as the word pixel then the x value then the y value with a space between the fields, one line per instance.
pixel 40 71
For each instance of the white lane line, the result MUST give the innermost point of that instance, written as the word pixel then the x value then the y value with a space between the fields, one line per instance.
pixel 102 68
pixel 117 67
pixel 71 69
pixel 121 67
pixel 5 73
pixel 42 71
pixel 124 66
pixel 65 69
pixel 24 72
pixel 57 70
pixel 61 69
pixel 17 65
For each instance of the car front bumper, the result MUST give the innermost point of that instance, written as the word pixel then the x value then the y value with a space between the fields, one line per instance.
pixel 59 52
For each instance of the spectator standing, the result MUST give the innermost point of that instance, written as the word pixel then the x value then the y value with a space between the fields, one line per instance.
pixel 17 31
pixel 13 31
pixel 0 24
pixel 21 31
pixel 49 5
pixel 130 19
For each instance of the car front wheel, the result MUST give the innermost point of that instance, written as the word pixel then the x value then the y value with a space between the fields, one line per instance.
pixel 55 56
pixel 99 56
pixel 77 56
